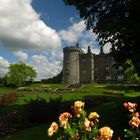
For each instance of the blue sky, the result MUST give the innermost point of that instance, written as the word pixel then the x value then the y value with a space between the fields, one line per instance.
pixel 55 13
pixel 36 31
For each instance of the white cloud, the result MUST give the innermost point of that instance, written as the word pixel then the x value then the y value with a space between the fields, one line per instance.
pixel 78 33
pixel 21 55
pixel 20 27
pixel 73 33
pixel 93 50
pixel 3 66
pixel 107 47
pixel 45 68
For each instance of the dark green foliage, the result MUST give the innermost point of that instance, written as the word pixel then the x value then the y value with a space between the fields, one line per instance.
pixel 39 110
pixel 114 21
pixel 13 121
pixel 95 101
pixel 130 74
pixel 124 88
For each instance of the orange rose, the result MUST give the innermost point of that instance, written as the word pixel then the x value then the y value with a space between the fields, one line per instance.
pixel 130 106
pixel 88 124
pixel 65 116
pixel 94 116
pixel 134 122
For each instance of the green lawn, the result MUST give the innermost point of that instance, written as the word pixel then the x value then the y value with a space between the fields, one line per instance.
pixel 111 113
pixel 52 86
pixel 85 90
pixel 5 90
pixel 36 133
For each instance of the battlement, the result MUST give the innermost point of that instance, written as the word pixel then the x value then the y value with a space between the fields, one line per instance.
pixel 73 49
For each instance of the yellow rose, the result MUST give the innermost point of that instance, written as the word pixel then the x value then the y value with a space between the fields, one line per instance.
pixel 105 133
pixel 78 106
pixel 53 128
pixel 94 116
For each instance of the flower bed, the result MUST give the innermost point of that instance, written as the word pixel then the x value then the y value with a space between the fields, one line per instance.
pixel 79 126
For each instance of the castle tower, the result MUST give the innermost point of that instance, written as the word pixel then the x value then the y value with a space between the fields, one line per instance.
pixel 87 67
pixel 71 64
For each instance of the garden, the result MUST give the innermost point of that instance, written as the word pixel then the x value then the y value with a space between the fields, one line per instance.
pixel 28 112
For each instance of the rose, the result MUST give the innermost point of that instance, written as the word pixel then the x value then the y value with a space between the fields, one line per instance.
pixel 53 128
pixel 94 116
pixel 130 106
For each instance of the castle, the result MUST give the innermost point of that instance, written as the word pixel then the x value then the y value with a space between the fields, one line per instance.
pixel 80 67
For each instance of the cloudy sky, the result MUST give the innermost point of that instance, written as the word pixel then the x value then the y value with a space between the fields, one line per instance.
pixel 36 31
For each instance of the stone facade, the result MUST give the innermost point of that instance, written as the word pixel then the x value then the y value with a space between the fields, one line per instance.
pixel 80 67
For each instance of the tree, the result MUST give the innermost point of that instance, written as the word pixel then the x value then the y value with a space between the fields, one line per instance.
pixel 114 21
pixel 130 73
pixel 19 74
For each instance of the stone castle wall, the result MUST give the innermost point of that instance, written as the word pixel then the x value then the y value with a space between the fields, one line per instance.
pixel 80 67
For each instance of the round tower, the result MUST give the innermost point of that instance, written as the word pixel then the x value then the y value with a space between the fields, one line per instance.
pixel 71 64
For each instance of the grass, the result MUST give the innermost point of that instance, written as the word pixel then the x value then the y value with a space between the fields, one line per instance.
pixel 4 89
pixel 52 86
pixel 111 113
pixel 36 133
pixel 133 94
pixel 86 90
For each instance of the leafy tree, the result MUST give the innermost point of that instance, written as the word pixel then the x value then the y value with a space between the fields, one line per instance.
pixel 19 73
pixel 130 73
pixel 114 21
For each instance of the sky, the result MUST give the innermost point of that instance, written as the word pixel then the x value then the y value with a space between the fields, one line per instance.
pixel 36 31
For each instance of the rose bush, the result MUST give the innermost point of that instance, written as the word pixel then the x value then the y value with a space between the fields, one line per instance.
pixel 79 125
pixel 134 122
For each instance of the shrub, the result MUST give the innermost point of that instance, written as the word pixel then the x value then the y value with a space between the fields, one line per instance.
pixel 95 100
pixel 13 121
pixel 7 99
pixel 134 132
pixel 39 110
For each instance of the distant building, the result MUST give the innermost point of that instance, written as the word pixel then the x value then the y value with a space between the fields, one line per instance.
pixel 80 67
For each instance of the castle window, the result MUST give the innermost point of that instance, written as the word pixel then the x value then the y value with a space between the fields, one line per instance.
pixel 108 77
pixel 107 68
pixel 120 68
pixel 120 77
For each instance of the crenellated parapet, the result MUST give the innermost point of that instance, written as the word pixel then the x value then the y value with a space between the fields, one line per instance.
pixel 73 49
